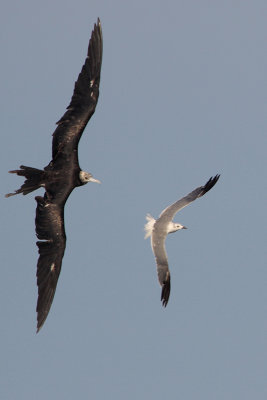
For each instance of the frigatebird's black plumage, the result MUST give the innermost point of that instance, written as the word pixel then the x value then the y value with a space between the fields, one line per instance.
pixel 61 176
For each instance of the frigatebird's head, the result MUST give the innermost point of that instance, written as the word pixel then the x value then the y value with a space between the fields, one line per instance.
pixel 86 177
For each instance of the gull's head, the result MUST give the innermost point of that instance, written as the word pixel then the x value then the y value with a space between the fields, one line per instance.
pixel 86 177
pixel 173 227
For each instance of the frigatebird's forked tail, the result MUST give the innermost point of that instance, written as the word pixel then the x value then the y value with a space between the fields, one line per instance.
pixel 34 180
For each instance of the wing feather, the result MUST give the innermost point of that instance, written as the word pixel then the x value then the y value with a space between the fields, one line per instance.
pixel 159 250
pixel 50 230
pixel 84 99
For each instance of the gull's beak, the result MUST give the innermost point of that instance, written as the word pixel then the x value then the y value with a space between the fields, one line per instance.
pixel 94 180
pixel 184 227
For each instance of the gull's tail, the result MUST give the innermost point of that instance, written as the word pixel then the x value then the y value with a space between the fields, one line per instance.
pixel 34 179
pixel 149 225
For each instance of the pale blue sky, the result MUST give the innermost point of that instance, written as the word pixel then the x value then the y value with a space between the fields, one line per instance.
pixel 182 97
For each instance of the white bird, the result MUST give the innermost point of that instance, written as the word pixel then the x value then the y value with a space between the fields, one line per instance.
pixel 159 229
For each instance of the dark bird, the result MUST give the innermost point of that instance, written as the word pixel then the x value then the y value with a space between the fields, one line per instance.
pixel 61 176
pixel 159 229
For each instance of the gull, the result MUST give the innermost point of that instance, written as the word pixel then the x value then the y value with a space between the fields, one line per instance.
pixel 159 229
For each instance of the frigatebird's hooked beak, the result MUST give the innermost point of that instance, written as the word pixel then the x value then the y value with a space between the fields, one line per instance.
pixel 94 180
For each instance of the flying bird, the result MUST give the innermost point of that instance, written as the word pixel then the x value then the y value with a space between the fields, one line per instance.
pixel 61 176
pixel 159 229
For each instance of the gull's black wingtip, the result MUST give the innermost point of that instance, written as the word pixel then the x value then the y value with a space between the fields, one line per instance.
pixel 211 182
pixel 165 293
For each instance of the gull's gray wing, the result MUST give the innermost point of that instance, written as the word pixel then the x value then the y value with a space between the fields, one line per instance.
pixel 170 211
pixel 158 246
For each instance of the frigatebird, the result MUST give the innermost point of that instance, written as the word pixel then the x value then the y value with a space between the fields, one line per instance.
pixel 61 176
pixel 159 229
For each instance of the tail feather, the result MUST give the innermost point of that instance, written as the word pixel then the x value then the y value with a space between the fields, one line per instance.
pixel 34 180
pixel 149 225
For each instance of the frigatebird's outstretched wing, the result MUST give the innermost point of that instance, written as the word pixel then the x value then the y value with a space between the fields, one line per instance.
pixel 83 102
pixel 50 231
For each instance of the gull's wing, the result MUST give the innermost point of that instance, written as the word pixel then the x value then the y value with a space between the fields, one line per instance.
pixel 50 230
pixel 84 99
pixel 164 277
pixel 170 211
